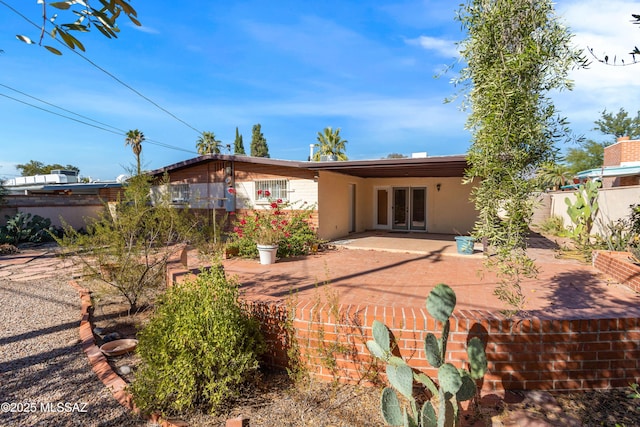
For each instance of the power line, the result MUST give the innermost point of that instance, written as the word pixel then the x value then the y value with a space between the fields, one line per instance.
pixel 60 108
pixel 108 128
pixel 60 115
pixel 106 72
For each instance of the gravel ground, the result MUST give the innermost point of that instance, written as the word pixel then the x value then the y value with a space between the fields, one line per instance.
pixel 45 378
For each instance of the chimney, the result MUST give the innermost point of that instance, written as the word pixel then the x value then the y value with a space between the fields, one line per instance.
pixel 623 138
pixel 311 151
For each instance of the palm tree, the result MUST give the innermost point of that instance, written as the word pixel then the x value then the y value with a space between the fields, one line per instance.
pixel 208 144
pixel 134 139
pixel 330 143
pixel 553 175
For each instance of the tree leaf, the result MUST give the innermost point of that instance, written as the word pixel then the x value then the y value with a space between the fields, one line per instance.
pixel 53 50
pixel 63 5
pixel 25 39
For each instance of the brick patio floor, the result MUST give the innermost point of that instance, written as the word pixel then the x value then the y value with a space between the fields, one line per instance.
pixel 388 269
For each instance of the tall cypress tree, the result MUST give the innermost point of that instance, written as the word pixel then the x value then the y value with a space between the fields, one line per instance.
pixel 259 146
pixel 238 145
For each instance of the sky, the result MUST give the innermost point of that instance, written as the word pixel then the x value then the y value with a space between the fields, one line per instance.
pixel 379 70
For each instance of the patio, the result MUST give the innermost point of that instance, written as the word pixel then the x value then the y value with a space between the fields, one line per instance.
pixel 399 269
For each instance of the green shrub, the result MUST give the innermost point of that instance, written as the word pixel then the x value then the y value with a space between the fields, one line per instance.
pixel 199 347
pixel 129 248
pixel 297 235
pixel 554 225
pixel 615 236
pixel 634 218
pixel 23 228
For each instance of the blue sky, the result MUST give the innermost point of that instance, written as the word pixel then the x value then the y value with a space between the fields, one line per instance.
pixel 295 67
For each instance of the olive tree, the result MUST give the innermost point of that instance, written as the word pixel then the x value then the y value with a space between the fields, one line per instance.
pixel 63 20
pixel 516 52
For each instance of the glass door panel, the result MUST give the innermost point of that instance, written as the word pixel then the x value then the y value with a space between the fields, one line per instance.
pixel 400 208
pixel 419 208
pixel 382 208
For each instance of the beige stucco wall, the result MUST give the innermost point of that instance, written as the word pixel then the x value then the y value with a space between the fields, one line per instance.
pixel 448 210
pixel 613 204
pixel 73 210
pixel 334 202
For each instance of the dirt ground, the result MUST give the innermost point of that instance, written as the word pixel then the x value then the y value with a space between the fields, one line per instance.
pixel 273 399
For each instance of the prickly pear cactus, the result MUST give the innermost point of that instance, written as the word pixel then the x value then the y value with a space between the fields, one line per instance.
pixel 583 211
pixel 454 385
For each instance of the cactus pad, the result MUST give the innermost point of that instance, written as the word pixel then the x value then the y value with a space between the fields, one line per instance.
pixel 390 407
pixel 441 302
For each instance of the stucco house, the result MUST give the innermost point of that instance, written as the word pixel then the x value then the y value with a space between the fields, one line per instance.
pixel 424 194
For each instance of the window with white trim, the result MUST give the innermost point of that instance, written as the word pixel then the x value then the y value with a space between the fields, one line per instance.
pixel 180 193
pixel 271 189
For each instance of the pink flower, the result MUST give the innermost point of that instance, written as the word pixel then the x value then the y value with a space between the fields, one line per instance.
pixel 231 190
pixel 259 192
pixel 274 205
pixel 267 193
pixel 279 201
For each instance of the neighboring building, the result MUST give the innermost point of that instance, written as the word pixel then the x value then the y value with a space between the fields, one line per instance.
pixel 58 196
pixel 423 194
pixel 621 165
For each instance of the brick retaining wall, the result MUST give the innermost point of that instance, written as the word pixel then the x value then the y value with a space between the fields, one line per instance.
pixel 618 266
pixel 523 354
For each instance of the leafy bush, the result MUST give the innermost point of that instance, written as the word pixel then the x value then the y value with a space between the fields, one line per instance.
pixel 297 235
pixel 130 248
pixel 198 348
pixel 615 236
pixel 634 218
pixel 24 228
pixel 555 226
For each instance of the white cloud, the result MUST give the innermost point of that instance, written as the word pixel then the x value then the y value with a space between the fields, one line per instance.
pixel 144 29
pixel 606 28
pixel 443 47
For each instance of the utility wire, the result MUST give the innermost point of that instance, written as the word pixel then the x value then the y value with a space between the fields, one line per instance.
pixel 60 115
pixel 106 72
pixel 60 108
pixel 108 128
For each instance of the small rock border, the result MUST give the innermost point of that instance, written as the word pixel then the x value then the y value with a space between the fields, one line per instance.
pixel 100 365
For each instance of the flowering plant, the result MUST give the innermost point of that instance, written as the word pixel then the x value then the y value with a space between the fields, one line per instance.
pixel 289 225
pixel 265 226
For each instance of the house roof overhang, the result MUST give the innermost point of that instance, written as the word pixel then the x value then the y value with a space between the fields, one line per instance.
pixel 440 166
pixel 609 171
pixel 437 166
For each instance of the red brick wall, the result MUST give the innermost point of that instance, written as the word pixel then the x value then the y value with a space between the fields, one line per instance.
pixel 630 151
pixel 617 266
pixel 523 354
pixel 612 154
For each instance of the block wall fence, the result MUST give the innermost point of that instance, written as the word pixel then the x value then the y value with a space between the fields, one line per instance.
pixel 523 354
